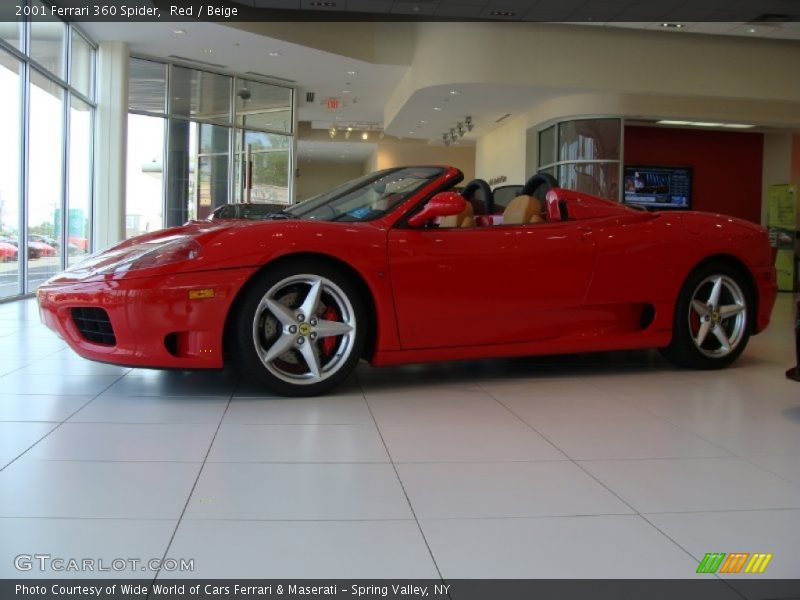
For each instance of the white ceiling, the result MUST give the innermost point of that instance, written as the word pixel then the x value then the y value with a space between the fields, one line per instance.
pixel 237 51
pixel 326 74
pixel 551 10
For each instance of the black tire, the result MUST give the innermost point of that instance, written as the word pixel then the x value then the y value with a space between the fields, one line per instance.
pixel 251 319
pixel 711 353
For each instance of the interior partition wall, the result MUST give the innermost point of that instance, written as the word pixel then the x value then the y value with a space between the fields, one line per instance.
pixel 199 139
pixel 47 78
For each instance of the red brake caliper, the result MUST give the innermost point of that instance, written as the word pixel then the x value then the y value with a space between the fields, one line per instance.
pixel 329 343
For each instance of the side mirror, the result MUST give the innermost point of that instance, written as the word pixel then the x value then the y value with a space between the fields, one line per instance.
pixel 443 204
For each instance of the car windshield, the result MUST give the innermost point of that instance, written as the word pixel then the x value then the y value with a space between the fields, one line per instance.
pixel 246 211
pixel 367 197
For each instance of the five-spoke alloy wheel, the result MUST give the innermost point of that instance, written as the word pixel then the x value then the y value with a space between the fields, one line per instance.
pixel 300 328
pixel 711 325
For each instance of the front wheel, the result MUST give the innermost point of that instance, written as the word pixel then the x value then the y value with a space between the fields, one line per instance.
pixel 711 326
pixel 300 329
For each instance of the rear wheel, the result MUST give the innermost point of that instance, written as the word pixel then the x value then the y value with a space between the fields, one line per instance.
pixel 711 326
pixel 300 329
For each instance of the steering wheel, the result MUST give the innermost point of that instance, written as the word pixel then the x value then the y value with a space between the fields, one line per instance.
pixel 537 181
pixel 479 186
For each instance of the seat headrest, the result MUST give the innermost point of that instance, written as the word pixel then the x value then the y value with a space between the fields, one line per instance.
pixel 522 210
pixel 466 218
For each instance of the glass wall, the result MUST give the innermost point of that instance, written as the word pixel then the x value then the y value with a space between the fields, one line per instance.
pixel 10 188
pixel 584 155
pixel 144 210
pixel 47 72
pixel 45 178
pixel 198 140
pixel 79 190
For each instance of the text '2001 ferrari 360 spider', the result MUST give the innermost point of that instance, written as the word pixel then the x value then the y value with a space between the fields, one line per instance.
pixel 395 267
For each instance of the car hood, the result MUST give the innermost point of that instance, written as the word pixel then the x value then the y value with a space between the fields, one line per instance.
pixel 228 244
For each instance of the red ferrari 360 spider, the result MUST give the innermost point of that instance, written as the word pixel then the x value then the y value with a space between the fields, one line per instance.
pixel 394 268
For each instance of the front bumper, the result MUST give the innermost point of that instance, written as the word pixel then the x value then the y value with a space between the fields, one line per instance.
pixel 154 321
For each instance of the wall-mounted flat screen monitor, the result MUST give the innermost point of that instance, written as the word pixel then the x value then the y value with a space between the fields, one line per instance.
pixel 658 187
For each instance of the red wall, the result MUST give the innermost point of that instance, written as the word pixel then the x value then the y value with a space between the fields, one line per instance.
pixel 726 165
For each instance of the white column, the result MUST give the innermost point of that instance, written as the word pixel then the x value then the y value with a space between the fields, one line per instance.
pixel 110 143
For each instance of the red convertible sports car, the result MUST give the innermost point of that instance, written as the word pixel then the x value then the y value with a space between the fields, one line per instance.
pixel 395 268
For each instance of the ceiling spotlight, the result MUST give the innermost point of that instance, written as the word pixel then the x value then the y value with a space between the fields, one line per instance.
pixel 453 135
pixel 365 136
pixel 332 132
pixel 347 134
pixel 438 108
pixel 446 139
pixel 468 123
pixel 274 53
pixel 178 31
pixel 454 92
pixel 346 91
pixel 460 129
pixel 352 73
pixel 752 30
pixel 349 128
pixel 423 122
pixel 672 25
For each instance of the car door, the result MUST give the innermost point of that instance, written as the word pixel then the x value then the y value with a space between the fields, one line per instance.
pixel 487 285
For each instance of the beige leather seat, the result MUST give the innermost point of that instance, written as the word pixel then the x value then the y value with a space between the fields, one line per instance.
pixel 466 218
pixel 523 210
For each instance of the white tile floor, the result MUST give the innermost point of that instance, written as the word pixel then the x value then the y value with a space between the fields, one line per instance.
pixel 505 468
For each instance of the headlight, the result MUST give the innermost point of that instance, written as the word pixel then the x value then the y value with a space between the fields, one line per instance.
pixel 146 255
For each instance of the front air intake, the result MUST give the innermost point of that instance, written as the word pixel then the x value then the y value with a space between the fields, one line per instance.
pixel 94 325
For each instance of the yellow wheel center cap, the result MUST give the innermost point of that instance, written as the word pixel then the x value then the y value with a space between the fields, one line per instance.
pixel 715 317
pixel 305 329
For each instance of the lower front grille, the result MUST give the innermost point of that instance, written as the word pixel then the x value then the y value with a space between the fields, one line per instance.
pixel 94 325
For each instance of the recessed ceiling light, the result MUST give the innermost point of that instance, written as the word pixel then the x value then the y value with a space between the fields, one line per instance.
pixel 503 13
pixel 704 124
pixel 275 53
pixel 352 73
pixel 178 31
pixel 454 92
pixel 437 108
pixel 423 122
pixel 207 50
pixel 752 30
pixel 345 91
pixel 672 25
pixel 410 133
